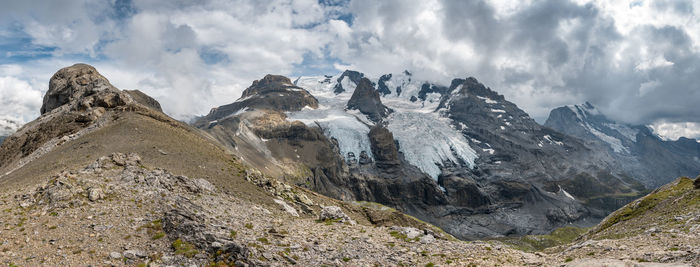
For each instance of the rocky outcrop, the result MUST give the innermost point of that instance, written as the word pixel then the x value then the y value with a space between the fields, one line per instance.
pixel 81 87
pixel 366 99
pixel 384 147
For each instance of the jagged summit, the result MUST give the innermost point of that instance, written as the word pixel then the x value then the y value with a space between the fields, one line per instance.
pixel 366 99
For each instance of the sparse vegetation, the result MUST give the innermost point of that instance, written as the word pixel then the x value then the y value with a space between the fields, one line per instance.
pixel 184 248
pixel 557 237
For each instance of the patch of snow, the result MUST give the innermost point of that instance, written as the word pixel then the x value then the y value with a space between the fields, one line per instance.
pixel 457 89
pixel 489 150
pixel 426 139
pixel 503 128
pixel 566 193
pixel 348 85
pixel 626 131
pixel 487 100
pixel 498 111
pixel 552 141
pixel 346 127
pixel 239 112
pixel 582 114
pixel 464 126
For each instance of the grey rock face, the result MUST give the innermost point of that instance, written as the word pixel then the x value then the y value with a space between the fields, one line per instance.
pixel 366 99
pixel 635 148
pixel 384 147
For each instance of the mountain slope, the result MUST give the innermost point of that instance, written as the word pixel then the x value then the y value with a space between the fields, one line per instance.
pixel 661 227
pixel 639 152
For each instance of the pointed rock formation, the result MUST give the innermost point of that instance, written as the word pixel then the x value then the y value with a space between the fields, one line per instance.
pixel 366 100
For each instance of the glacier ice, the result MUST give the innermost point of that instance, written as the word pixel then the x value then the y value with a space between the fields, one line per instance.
pixel 425 138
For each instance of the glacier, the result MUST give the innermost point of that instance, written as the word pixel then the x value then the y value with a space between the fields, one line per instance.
pixel 438 141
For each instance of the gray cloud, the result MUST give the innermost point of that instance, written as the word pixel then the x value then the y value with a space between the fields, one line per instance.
pixel 638 61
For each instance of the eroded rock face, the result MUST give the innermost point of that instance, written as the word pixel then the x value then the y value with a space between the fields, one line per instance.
pixel 366 100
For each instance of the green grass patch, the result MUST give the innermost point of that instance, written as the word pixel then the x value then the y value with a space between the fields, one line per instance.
pixel 184 248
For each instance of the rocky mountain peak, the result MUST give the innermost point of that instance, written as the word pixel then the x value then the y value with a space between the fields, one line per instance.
pixel 269 83
pixel 473 87
pixel 366 99
pixel 272 92
pixel 81 86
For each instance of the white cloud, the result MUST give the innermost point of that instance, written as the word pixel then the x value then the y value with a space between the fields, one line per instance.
pixel 675 130
pixel 19 100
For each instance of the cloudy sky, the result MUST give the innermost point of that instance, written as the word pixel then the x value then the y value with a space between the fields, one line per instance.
pixel 638 61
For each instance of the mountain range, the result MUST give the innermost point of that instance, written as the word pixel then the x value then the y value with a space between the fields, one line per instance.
pixel 256 181
pixel 460 156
